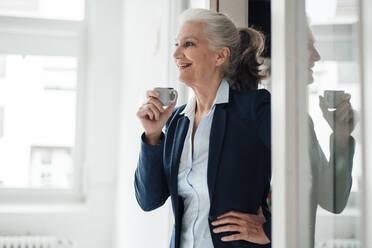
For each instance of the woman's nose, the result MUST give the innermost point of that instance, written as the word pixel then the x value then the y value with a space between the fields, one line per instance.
pixel 316 55
pixel 177 53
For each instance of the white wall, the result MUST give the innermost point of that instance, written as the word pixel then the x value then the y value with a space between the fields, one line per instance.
pixel 90 225
pixel 145 65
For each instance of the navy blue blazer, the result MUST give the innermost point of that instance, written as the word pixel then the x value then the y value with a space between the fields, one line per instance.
pixel 239 163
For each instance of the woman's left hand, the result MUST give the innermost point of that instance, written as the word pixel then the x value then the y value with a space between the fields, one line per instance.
pixel 342 119
pixel 248 226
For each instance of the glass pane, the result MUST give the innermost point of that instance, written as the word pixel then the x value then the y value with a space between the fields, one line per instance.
pixel 37 121
pixel 52 9
pixel 334 125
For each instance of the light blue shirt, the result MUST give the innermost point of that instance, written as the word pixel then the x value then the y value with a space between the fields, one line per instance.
pixel 192 175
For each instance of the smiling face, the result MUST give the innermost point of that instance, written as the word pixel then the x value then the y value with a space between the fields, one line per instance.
pixel 194 57
pixel 313 57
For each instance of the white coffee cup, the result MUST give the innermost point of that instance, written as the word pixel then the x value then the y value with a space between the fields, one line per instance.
pixel 333 97
pixel 167 96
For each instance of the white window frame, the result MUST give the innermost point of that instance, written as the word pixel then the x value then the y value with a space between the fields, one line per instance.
pixel 49 37
pixel 290 127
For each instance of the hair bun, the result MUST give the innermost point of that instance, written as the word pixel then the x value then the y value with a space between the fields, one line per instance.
pixel 248 74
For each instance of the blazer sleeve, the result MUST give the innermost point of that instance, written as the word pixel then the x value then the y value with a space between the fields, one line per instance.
pixel 267 225
pixel 150 183
pixel 262 112
pixel 267 228
pixel 332 179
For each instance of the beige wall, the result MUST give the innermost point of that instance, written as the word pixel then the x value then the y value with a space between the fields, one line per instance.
pixel 236 9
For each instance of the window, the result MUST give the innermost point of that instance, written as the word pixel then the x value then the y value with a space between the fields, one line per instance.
pixel 52 9
pixel 40 73
pixel 38 98
pixel 335 27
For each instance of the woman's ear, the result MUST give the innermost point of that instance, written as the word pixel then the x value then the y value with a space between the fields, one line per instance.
pixel 222 56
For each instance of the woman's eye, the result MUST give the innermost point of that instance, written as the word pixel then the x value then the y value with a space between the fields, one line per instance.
pixel 189 43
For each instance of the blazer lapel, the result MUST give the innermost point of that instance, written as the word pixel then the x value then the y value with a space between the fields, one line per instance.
pixel 215 146
pixel 179 139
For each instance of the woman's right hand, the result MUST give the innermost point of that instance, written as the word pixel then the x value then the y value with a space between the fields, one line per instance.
pixel 153 116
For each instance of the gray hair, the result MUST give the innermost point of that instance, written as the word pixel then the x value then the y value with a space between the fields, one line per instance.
pixel 220 32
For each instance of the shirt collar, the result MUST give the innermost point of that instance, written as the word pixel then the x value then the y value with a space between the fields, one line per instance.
pixel 222 96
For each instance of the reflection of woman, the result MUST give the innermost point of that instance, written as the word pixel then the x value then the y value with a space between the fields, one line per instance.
pixel 331 180
pixel 213 157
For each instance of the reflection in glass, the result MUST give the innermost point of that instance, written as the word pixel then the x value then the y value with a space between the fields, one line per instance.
pixel 333 130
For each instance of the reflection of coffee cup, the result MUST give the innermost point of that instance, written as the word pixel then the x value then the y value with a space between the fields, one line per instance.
pixel 167 95
pixel 333 97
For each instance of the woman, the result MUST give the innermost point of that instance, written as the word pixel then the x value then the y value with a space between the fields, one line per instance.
pixel 213 157
pixel 331 178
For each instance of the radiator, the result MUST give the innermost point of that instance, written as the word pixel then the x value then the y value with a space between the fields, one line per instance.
pixel 338 243
pixel 34 242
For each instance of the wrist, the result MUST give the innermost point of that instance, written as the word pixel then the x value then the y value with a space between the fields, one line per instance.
pixel 152 138
pixel 341 140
